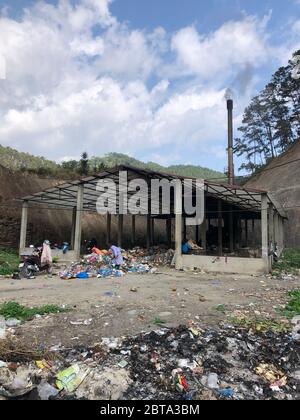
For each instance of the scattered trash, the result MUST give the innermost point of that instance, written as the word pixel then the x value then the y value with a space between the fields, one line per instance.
pixel 183 363
pixel 276 386
pixel 226 393
pixel 269 372
pixel 44 364
pixel 47 391
pixel 296 329
pixel 213 381
pixel 71 378
pixel 10 323
pixel 123 364
pixel 2 333
pixel 2 328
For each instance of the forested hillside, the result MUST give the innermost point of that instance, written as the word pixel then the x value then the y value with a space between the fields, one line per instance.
pixel 24 162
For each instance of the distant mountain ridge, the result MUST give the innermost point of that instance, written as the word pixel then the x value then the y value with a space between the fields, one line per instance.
pixel 115 159
pixel 19 161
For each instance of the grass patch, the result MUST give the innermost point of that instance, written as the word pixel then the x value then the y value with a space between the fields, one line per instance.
pixel 159 322
pixel 289 261
pixel 14 310
pixel 292 308
pixel 261 325
pixel 220 308
pixel 9 262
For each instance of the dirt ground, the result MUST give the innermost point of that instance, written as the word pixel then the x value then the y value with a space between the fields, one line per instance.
pixel 117 307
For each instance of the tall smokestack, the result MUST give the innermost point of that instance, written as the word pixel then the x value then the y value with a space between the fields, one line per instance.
pixel 230 137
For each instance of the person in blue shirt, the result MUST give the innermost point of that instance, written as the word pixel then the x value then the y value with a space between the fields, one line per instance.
pixel 186 247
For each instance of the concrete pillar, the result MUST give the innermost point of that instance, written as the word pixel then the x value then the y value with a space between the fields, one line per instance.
pixel 24 221
pixel 148 231
pixel 253 233
pixel 231 232
pixel 271 234
pixel 120 230
pixel 78 224
pixel 203 229
pixel 178 228
pixel 169 232
pixel 133 230
pixel 220 228
pixel 239 231
pixel 108 228
pixel 276 228
pixel 264 232
pixel 280 234
pixel 74 211
pixel 271 224
pixel 246 232
pixel 197 236
pixel 152 231
pixel 184 230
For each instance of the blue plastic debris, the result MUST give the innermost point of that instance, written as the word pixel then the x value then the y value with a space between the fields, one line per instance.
pixel 83 276
pixel 226 393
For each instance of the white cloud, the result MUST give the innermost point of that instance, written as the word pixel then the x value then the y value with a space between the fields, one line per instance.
pixel 234 44
pixel 77 79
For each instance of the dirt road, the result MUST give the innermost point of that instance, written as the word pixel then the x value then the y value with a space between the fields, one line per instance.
pixel 135 303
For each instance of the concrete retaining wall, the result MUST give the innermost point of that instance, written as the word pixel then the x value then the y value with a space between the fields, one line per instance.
pixel 230 265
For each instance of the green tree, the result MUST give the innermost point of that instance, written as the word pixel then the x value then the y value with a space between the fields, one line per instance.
pixel 271 122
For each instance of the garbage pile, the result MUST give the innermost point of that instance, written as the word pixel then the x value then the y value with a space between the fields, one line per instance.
pixel 98 264
pixel 185 363
pixel 156 256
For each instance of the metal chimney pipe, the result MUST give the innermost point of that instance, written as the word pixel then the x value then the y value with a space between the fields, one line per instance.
pixel 230 142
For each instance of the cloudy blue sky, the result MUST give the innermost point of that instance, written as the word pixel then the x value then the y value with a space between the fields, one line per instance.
pixel 141 77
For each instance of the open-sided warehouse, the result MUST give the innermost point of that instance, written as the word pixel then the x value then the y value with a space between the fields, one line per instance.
pixel 232 216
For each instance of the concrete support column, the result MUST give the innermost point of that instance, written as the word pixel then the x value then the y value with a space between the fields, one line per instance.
pixel 231 232
pixel 271 224
pixel 280 234
pixel 152 231
pixel 197 236
pixel 108 228
pixel 184 229
pixel 24 222
pixel 264 232
pixel 133 230
pixel 120 230
pixel 203 229
pixel 78 224
pixel 246 232
pixel 148 231
pixel 276 229
pixel 178 227
pixel 239 231
pixel 253 233
pixel 74 212
pixel 220 229
pixel 169 232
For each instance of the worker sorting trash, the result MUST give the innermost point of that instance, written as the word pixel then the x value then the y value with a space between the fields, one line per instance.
pixel 117 257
